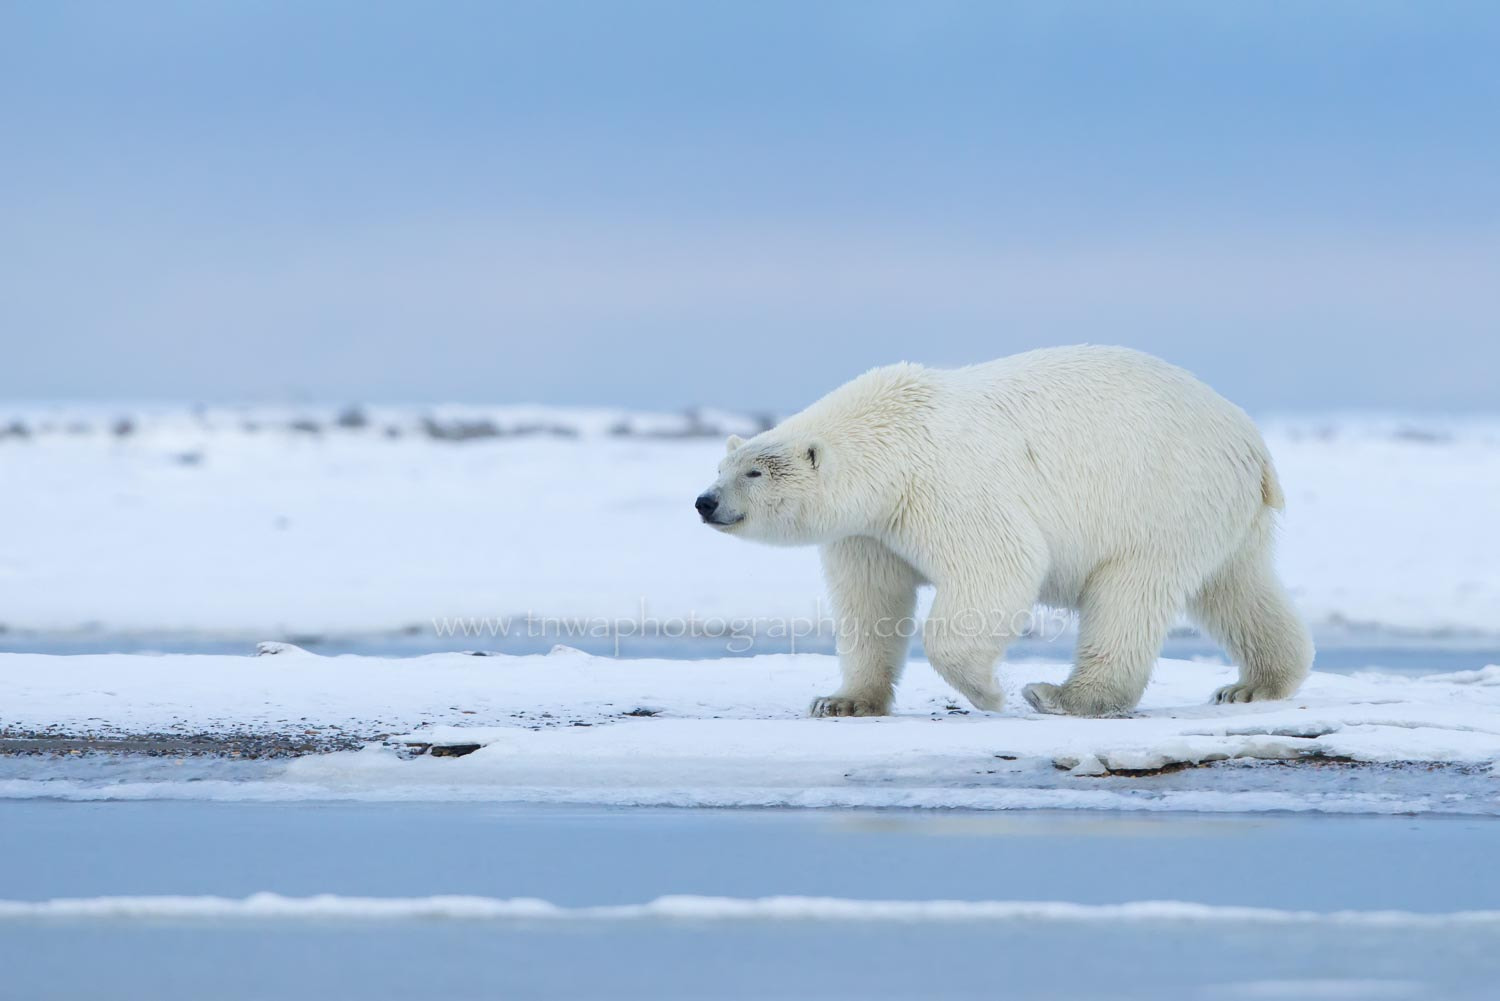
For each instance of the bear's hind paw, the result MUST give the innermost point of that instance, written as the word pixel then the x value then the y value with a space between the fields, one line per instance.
pixel 1248 693
pixel 1045 698
pixel 844 705
pixel 1059 701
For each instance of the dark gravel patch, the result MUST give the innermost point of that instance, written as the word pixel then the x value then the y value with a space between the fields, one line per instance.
pixel 163 745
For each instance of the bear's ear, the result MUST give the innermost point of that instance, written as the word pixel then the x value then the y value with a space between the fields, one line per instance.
pixel 734 442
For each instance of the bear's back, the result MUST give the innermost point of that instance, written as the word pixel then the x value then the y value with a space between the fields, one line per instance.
pixel 1111 450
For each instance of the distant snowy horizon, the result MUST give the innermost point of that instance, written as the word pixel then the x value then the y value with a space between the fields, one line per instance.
pixel 83 416
pixel 297 520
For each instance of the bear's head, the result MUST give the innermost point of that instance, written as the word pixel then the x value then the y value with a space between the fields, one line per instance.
pixel 778 487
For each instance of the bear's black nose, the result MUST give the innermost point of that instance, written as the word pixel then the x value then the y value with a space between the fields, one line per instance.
pixel 706 504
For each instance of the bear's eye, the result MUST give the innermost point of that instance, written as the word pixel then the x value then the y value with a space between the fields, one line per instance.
pixel 753 473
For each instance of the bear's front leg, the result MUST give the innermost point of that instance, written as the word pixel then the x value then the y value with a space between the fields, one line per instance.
pixel 965 656
pixel 968 630
pixel 874 597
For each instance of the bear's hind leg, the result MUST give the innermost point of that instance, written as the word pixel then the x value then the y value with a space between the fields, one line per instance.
pixel 1124 614
pixel 874 595
pixel 1244 607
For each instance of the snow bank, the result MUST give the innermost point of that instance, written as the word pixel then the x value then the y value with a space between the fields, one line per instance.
pixel 274 907
pixel 571 728
pixel 315 521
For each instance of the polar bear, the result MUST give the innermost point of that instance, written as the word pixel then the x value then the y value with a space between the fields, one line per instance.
pixel 1097 479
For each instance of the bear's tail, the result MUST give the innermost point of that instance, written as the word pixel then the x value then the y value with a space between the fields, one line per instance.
pixel 1270 488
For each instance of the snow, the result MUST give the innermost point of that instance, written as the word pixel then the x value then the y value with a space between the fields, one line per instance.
pixel 288 521
pixel 574 728
pixel 330 907
pixel 471 526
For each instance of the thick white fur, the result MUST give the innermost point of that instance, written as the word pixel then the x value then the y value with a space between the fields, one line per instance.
pixel 1091 478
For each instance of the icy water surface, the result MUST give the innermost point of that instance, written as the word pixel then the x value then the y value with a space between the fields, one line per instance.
pixel 583 858
pixel 1298 869
pixel 1340 653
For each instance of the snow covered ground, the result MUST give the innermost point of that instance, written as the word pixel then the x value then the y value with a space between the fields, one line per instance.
pixel 304 521
pixel 574 728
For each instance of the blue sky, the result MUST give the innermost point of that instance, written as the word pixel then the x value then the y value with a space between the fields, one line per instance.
pixel 661 204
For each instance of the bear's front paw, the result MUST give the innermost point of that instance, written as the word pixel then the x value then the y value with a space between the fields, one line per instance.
pixel 847 705
pixel 1045 698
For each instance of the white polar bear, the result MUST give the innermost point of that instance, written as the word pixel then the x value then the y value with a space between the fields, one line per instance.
pixel 1091 478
